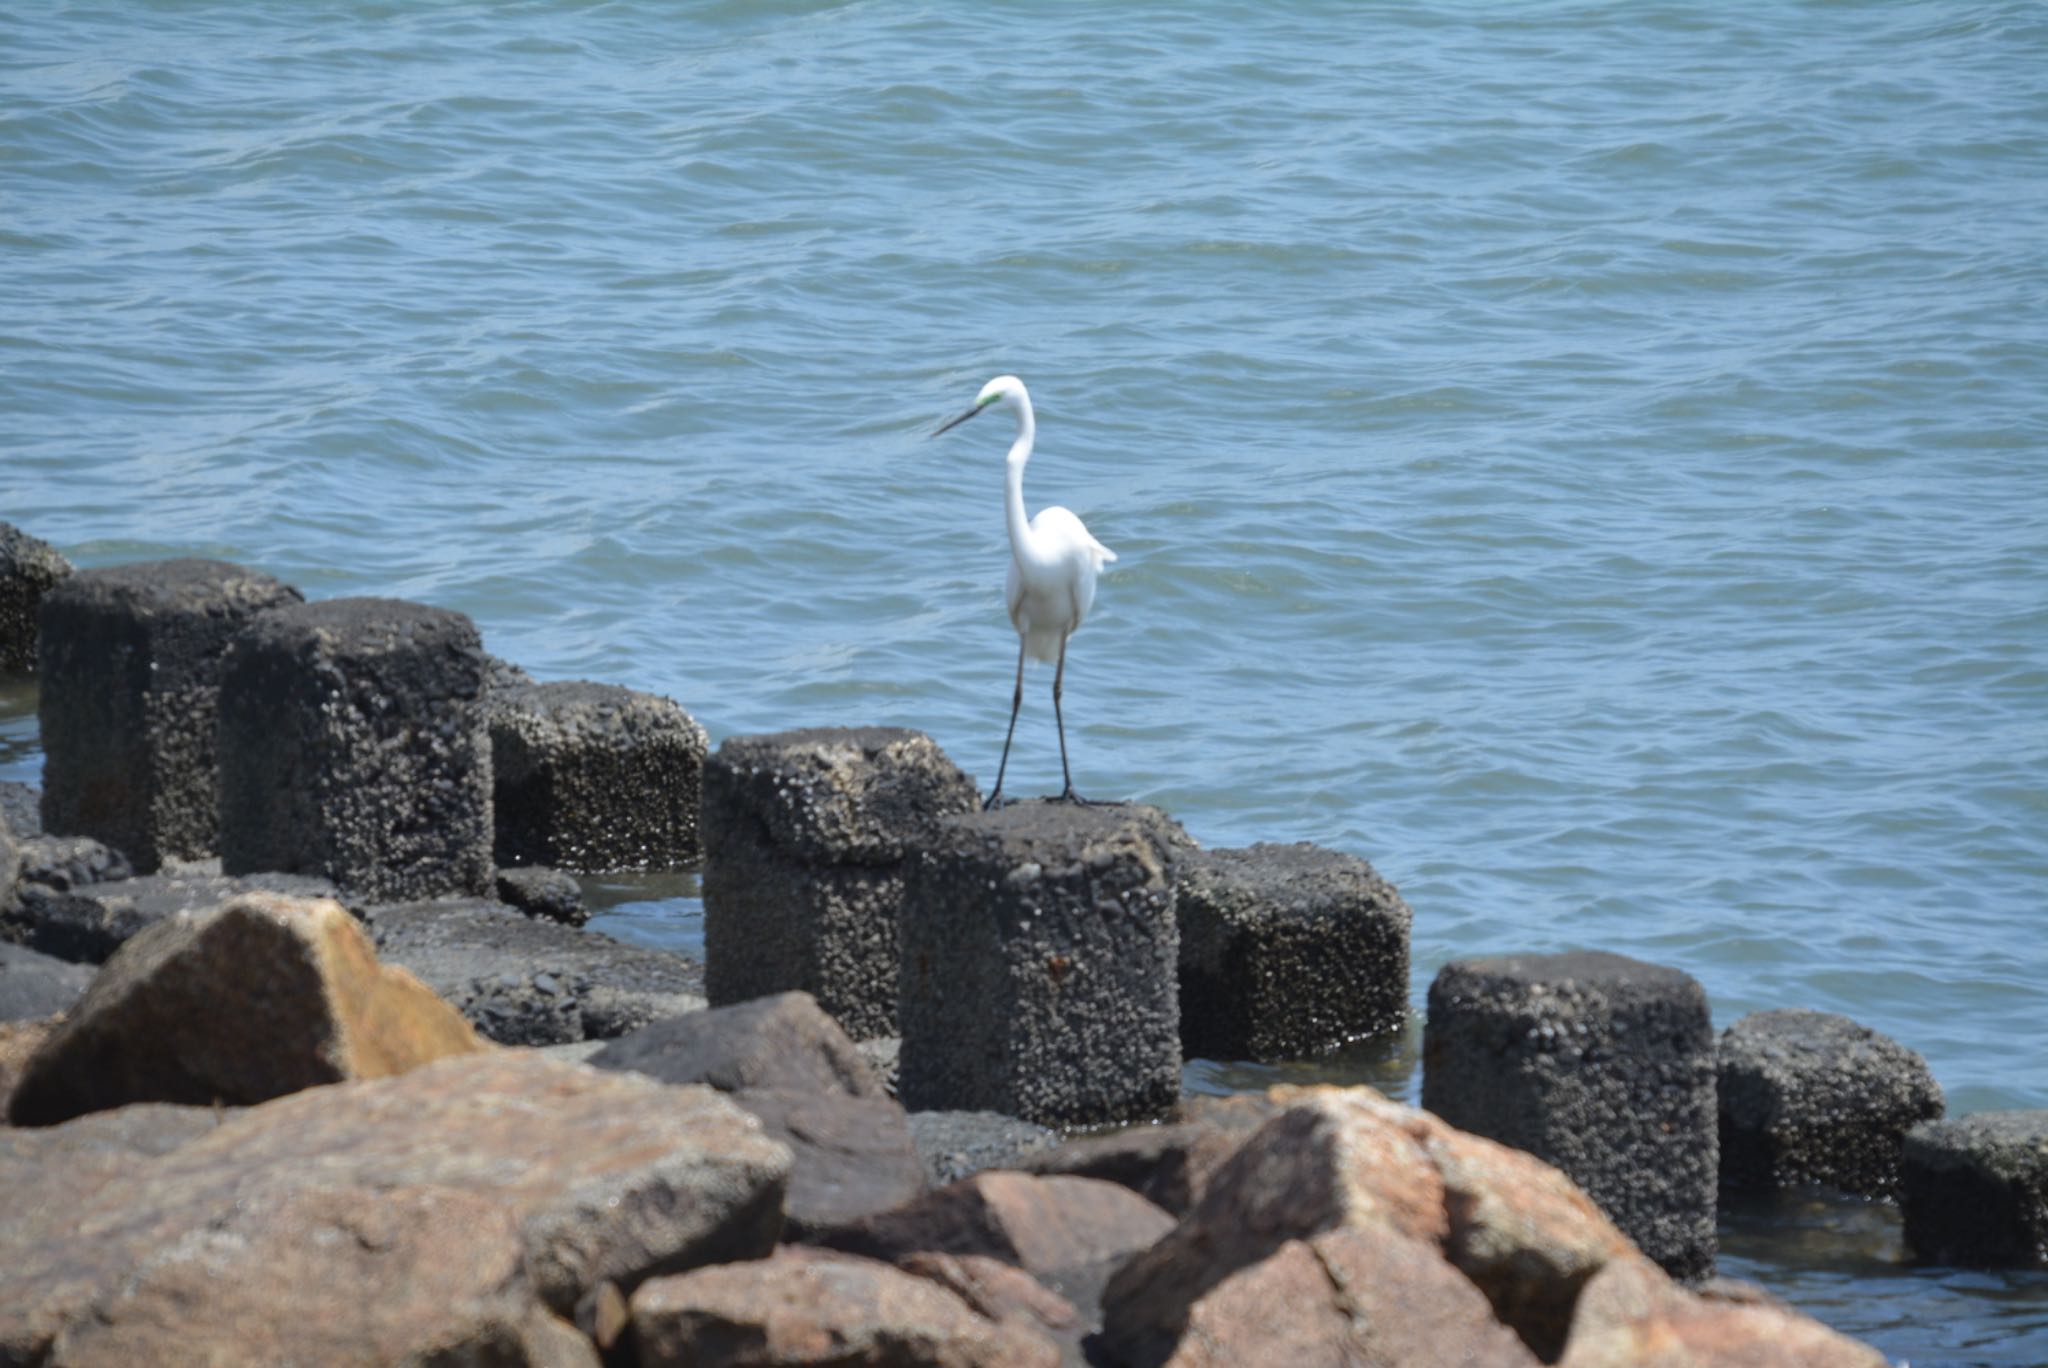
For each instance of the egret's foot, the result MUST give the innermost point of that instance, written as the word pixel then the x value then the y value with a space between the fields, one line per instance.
pixel 993 801
pixel 1067 795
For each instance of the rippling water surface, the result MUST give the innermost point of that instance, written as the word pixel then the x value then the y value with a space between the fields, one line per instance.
pixel 1588 459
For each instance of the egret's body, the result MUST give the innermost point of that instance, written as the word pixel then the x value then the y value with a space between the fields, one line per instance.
pixel 1053 566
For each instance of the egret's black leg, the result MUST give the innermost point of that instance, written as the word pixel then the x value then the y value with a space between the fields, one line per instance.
pixel 1059 674
pixel 995 796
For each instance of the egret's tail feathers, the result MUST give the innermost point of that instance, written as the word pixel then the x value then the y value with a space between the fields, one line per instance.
pixel 1102 553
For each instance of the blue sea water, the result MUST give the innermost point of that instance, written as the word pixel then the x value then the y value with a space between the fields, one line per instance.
pixel 1589 459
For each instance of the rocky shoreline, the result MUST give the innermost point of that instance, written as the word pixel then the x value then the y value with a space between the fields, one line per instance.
pixel 305 1059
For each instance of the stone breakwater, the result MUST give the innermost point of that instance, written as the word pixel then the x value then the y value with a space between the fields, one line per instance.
pixel 261 1053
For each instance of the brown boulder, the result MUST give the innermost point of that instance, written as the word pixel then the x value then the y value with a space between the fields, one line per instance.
pixel 1333 1158
pixel 1066 1232
pixel 455 1210
pixel 814 1307
pixel 1169 1165
pixel 1632 1315
pixel 241 1003
pixel 1357 1297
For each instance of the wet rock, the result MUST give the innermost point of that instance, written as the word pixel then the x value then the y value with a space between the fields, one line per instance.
pixel 594 777
pixel 545 893
pixel 1039 952
pixel 29 569
pixel 521 981
pixel 1811 1097
pixel 131 677
pixel 1632 1315
pixel 1975 1190
pixel 783 1042
pixel 1287 951
pixel 1169 1165
pixel 806 836
pixel 811 1307
pixel 451 1214
pixel 1337 1158
pixel 1350 1296
pixel 1068 1233
pixel 854 1157
pixel 1598 1064
pixel 258 998
pixel 954 1144
pixel 353 747
pixel 88 922
pixel 67 862
pixel 36 985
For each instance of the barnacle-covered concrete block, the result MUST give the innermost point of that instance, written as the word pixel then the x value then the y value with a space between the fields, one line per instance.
pixel 1038 965
pixel 806 836
pixel 594 777
pixel 1975 1190
pixel 131 670
pixel 1812 1097
pixel 1286 951
pixel 352 747
pixel 29 569
pixel 1599 1064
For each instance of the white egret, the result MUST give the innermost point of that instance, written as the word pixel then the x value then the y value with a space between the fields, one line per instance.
pixel 1053 565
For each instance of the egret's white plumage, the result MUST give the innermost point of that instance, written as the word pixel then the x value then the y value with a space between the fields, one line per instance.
pixel 1053 565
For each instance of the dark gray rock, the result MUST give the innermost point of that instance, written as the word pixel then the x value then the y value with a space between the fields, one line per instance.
pixel 66 862
pixel 521 981
pixel 34 985
pixel 546 893
pixel 1287 951
pixel 29 569
pixel 1812 1097
pixel 784 1042
pixel 86 923
pixel 1975 1190
pixel 1168 1165
pixel 131 675
pixel 1598 1064
pixel 352 747
pixel 806 834
pixel 594 777
pixel 1038 965
pixel 954 1144
pixel 854 1157
pixel 21 808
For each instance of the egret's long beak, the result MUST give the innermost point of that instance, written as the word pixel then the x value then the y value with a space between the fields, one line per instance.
pixel 956 422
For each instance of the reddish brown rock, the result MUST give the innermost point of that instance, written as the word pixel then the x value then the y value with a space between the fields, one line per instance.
pixel 1334 1158
pixel 19 1040
pixel 1632 1315
pixel 998 1290
pixel 1357 1297
pixel 813 1307
pixel 241 1003
pixel 451 1213
pixel 1066 1232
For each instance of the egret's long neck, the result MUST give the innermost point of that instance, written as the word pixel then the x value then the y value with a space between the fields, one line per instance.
pixel 1013 492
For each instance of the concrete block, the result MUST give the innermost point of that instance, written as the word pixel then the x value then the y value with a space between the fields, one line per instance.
pixel 1812 1097
pixel 1287 951
pixel 1038 971
pixel 594 777
pixel 1599 1064
pixel 1975 1190
pixel 131 671
pixel 806 836
pixel 29 569
pixel 352 747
